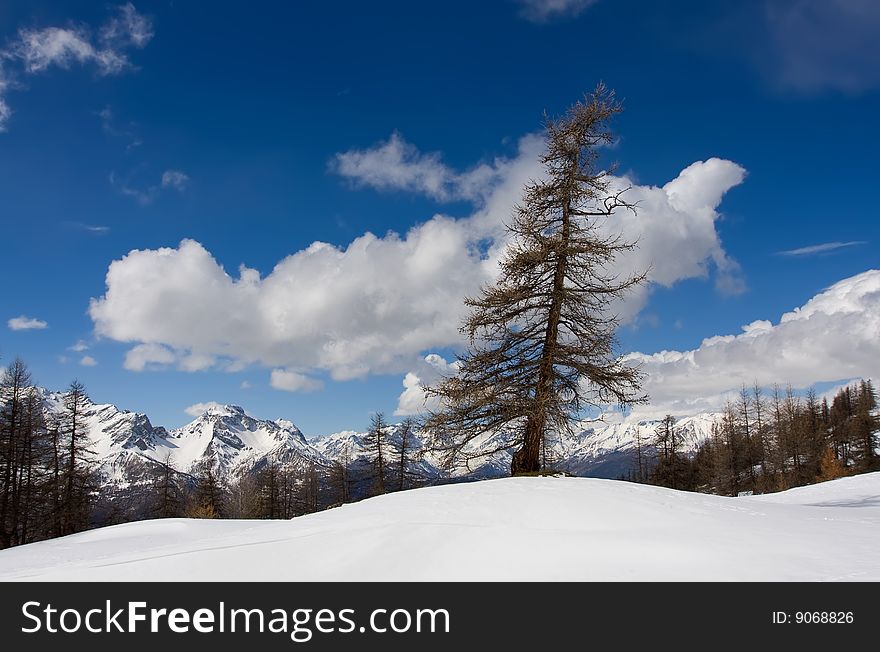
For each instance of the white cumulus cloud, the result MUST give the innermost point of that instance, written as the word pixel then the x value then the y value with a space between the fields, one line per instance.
pixel 293 381
pixel 88 361
pixel 149 356
pixel 24 323
pixel 831 338
pixel 399 165
pixel 379 304
pixel 198 409
pixel 413 399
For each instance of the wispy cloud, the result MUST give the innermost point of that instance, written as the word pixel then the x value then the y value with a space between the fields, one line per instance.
pixel 142 197
pixel 95 229
pixel 170 180
pixel 127 28
pixel 110 126
pixel 88 361
pixel 40 49
pixel 24 323
pixel 5 111
pixel 79 347
pixel 542 11
pixel 175 179
pixel 35 50
pixel 823 248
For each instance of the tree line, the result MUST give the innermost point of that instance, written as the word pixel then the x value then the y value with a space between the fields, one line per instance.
pixel 46 474
pixel 51 484
pixel 768 442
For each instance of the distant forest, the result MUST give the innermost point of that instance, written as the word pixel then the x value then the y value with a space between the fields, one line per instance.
pixel 769 443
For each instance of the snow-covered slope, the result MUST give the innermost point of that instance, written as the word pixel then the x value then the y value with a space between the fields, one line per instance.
pixel 508 529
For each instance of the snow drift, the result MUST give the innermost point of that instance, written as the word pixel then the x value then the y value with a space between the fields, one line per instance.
pixel 508 529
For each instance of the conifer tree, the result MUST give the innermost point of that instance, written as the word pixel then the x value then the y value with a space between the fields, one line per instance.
pixel 866 425
pixel 404 453
pixel 32 472
pixel 744 407
pixel 208 496
pixel 77 461
pixel 375 445
pixel 269 483
pixel 167 490
pixel 310 491
pixel 830 467
pixel 23 457
pixel 14 387
pixel 542 338
pixel 762 432
pixel 340 476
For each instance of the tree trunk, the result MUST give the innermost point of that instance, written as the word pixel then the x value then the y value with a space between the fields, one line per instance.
pixel 528 458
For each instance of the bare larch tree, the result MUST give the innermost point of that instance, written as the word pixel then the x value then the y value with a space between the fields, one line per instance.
pixel 542 337
pixel 374 444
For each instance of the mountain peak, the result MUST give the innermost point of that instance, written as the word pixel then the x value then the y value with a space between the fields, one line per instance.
pixel 286 424
pixel 219 410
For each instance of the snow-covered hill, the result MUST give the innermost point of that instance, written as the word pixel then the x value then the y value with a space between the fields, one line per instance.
pixel 508 529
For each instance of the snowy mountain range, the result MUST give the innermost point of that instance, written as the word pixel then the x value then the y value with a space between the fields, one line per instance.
pixel 129 449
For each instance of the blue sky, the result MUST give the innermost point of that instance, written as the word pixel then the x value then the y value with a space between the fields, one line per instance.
pixel 257 129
